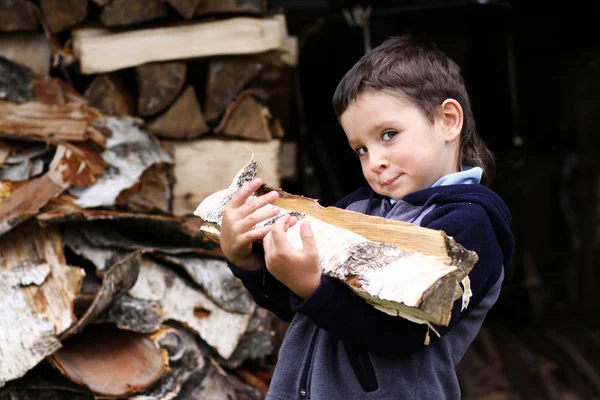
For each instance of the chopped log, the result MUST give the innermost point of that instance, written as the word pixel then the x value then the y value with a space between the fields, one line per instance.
pixel 63 14
pixel 408 271
pixel 102 52
pixel 111 362
pixel 15 81
pixel 222 330
pixel 25 151
pixel 186 8
pixel 164 233
pixel 152 193
pixel 127 313
pixel 288 161
pixel 5 151
pixel 23 171
pixel 185 358
pixel 28 49
pixel 183 120
pixel 129 12
pixel 50 123
pixel 17 15
pixel 102 3
pixel 215 279
pixel 70 165
pixel 50 90
pixel 226 78
pixel 231 7
pixel 109 94
pixel 38 290
pixel 118 280
pixel 159 84
pixel 252 380
pixel 130 151
pixel 246 118
pixel 203 167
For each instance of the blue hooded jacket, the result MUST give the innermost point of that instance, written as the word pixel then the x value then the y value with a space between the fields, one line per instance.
pixel 339 347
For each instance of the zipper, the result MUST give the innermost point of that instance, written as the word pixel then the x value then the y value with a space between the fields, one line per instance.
pixel 304 379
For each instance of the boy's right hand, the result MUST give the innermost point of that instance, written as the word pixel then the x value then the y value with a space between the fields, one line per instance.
pixel 239 217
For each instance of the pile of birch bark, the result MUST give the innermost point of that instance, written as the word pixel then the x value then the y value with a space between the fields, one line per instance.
pixel 117 117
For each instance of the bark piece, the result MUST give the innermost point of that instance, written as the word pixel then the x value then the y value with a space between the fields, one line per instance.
pixel 182 302
pixel 152 193
pixel 38 290
pixel 15 81
pixel 117 281
pixel 163 233
pixel 129 152
pixel 63 14
pixel 129 12
pixel 397 277
pixel 109 94
pixel 183 120
pixel 231 6
pixel 185 358
pixel 246 118
pixel 101 52
pixel 226 78
pixel 216 280
pixel 50 123
pixel 22 172
pixel 203 167
pixel 159 84
pixel 141 316
pixel 186 8
pixel 17 15
pixel 70 166
pixel 111 362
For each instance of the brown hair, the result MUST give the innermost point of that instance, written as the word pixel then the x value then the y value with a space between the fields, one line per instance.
pixel 419 71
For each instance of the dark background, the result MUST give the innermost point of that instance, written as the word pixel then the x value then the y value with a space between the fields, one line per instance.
pixel 532 71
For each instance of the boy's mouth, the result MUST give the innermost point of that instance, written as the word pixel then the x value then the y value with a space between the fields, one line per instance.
pixel 390 181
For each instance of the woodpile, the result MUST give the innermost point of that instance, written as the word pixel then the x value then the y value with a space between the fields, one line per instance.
pixel 116 119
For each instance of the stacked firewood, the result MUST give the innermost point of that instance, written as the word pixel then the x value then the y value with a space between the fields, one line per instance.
pixel 117 118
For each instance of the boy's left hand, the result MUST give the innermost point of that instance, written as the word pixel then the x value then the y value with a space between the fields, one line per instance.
pixel 298 269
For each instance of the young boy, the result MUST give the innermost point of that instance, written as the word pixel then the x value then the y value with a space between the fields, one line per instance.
pixel 406 114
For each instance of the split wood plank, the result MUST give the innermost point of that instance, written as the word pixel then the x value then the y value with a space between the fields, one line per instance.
pixel 159 84
pixel 30 49
pixel 63 14
pixel 183 120
pixel 109 94
pixel 129 12
pixel 101 52
pixel 38 290
pixel 205 166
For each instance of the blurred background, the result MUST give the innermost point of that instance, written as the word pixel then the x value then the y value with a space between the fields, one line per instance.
pixel 532 69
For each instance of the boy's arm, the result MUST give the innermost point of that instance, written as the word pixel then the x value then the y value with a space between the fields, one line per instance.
pixel 266 291
pixel 334 308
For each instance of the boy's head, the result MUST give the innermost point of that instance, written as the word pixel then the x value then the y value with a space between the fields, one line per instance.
pixel 407 114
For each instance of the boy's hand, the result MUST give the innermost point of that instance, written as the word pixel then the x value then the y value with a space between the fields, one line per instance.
pixel 297 269
pixel 239 217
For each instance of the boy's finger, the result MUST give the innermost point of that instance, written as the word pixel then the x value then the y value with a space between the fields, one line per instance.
pixel 259 202
pixel 258 234
pixel 258 216
pixel 239 199
pixel 278 235
pixel 308 238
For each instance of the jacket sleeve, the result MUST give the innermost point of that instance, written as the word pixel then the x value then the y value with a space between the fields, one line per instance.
pixel 334 308
pixel 266 291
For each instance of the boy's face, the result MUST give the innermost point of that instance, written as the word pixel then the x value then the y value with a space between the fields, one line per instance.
pixel 399 149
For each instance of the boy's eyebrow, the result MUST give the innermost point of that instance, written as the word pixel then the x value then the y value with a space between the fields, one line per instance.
pixel 383 125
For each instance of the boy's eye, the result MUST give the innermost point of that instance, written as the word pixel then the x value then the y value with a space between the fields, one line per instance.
pixel 362 150
pixel 388 135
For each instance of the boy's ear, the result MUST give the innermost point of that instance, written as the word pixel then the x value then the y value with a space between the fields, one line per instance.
pixel 452 119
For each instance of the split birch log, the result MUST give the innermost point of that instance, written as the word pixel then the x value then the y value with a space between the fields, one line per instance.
pixel 226 78
pixel 399 268
pixel 186 8
pixel 128 12
pixel 246 118
pixel 109 94
pixel 102 52
pixel 151 194
pixel 17 15
pixel 29 49
pixel 63 14
pixel 38 290
pixel 183 120
pixel 15 81
pixel 159 84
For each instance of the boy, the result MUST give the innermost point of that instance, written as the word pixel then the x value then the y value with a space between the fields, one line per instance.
pixel 406 114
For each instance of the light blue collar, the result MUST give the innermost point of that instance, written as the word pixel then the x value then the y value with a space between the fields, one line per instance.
pixel 468 176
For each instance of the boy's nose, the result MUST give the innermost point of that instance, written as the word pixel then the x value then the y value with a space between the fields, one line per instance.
pixel 378 164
